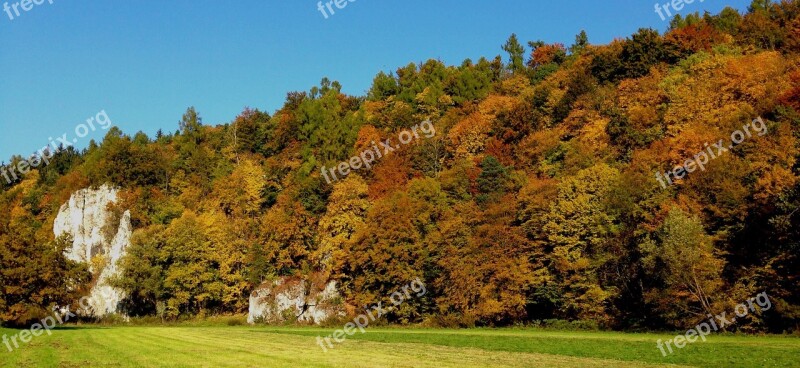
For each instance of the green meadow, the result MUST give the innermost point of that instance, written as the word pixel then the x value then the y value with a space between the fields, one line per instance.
pixel 246 346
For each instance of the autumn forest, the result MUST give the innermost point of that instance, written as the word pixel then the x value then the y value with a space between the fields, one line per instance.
pixel 536 200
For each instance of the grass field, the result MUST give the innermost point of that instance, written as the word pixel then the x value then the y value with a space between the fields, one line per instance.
pixel 296 347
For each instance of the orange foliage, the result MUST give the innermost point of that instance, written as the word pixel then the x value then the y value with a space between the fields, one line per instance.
pixel 695 37
pixel 468 138
pixel 390 175
pixel 546 54
pixel 791 97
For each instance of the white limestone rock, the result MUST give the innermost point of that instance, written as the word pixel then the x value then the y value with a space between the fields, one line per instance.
pixel 293 299
pixel 87 219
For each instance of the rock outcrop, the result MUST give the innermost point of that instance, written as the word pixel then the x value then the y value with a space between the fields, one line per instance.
pixel 295 299
pixel 98 239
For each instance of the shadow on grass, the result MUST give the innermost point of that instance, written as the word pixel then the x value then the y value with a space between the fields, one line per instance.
pixel 57 328
pixel 76 328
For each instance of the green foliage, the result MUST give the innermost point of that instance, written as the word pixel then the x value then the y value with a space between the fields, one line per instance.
pixel 580 84
pixel 727 20
pixel 680 22
pixel 579 228
pixel 383 86
pixel 469 82
pixel 642 51
pixel 759 6
pixel 492 178
pixel 174 265
pixel 628 137
pixel 607 65
pixel 581 42
pixel 682 258
pixel 250 130
pixel 543 71
pixel 191 125
pixel 515 54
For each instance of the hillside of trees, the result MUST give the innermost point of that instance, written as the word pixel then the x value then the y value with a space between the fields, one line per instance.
pixel 537 198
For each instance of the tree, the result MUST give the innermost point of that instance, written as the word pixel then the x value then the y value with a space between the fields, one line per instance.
pixel 692 19
pixel 579 227
pixel 515 54
pixel 469 83
pixel 687 40
pixel 175 265
pixel 286 235
pixel 581 43
pixel 143 272
pixel 391 248
pixel 607 65
pixel 758 6
pixel 190 125
pixel 486 271
pixel 642 51
pixel 383 86
pixel 327 125
pixel 547 54
pixel 35 275
pixel 248 131
pixel 757 27
pixel 682 256
pixel 492 177
pixel 728 20
pixel 230 239
pixel 240 194
pixel 346 212
pixel 469 136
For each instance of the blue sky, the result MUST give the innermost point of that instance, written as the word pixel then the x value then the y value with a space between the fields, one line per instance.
pixel 144 62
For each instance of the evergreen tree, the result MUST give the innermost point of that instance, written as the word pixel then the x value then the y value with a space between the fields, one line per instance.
pixel 581 42
pixel 515 54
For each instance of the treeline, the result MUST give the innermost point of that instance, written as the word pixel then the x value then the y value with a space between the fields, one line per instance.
pixel 535 200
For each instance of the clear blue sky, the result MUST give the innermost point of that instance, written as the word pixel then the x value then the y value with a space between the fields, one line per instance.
pixel 144 62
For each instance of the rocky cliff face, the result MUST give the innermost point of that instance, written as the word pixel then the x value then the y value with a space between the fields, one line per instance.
pixel 294 299
pixel 97 240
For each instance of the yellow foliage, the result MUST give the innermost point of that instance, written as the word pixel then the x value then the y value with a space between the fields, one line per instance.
pixel 468 138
